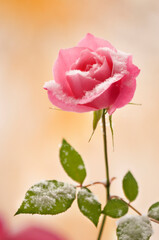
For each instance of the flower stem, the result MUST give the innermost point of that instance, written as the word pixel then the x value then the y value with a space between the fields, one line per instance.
pixel 107 169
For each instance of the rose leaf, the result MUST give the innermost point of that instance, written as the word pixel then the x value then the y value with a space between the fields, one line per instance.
pixel 72 162
pixel 48 197
pixel 115 208
pixel 89 205
pixel 130 187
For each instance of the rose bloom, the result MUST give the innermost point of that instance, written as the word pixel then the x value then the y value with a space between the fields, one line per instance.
pixel 92 76
pixel 30 233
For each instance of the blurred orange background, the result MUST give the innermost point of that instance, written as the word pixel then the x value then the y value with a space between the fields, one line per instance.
pixel 31 34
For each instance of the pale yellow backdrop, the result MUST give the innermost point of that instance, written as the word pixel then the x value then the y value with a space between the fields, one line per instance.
pixel 31 34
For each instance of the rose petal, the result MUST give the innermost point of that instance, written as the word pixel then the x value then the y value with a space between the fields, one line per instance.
pixel 63 64
pixel 87 58
pixel 102 73
pixel 127 87
pixel 61 100
pixel 106 52
pixel 3 230
pixel 80 82
pixel 133 70
pixel 92 42
pixel 118 59
pixel 126 93
pixel 67 103
pixel 106 99
pixel 34 233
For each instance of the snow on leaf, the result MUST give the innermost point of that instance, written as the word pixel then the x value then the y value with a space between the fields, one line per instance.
pixel 134 228
pixel 48 197
pixel 153 211
pixel 89 205
pixel 115 208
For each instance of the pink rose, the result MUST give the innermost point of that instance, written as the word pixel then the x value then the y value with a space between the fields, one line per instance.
pixel 35 233
pixel 92 76
pixel 30 233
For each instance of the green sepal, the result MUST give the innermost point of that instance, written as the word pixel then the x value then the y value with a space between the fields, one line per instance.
pixel 111 128
pixel 96 117
pixel 137 104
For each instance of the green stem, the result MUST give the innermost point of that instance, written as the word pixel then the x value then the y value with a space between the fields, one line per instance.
pixel 101 228
pixel 107 170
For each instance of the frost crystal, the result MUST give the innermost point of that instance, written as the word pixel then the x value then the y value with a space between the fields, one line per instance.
pixel 89 95
pixel 88 196
pixel 134 228
pixel 74 72
pixel 80 167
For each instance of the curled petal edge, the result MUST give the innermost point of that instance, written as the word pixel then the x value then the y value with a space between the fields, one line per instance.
pixel 68 103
